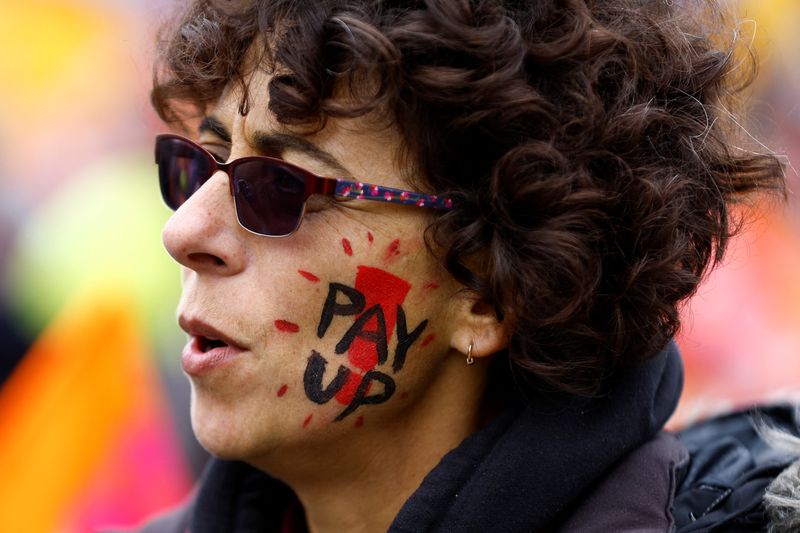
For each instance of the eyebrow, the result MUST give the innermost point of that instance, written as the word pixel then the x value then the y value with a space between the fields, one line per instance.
pixel 276 143
pixel 212 125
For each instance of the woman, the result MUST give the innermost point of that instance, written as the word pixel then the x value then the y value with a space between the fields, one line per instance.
pixel 470 329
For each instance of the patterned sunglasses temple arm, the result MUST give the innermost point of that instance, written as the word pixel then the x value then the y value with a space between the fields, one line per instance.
pixel 365 191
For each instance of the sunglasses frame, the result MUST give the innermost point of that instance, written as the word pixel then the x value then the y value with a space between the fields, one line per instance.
pixel 314 184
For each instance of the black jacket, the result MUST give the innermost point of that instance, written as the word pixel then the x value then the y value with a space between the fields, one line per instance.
pixel 722 486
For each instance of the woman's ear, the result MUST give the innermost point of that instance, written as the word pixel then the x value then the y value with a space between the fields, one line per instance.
pixel 475 323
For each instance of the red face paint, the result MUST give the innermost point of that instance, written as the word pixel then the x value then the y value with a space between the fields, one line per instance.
pixel 307 421
pixel 427 340
pixel 370 238
pixel 285 325
pixel 404 396
pixel 348 391
pixel 346 247
pixel 379 288
pixel 392 251
pixel 431 285
pixel 282 390
pixel 308 275
pixel 359 421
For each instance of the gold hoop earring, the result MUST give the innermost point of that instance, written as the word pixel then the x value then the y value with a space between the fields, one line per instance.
pixel 470 359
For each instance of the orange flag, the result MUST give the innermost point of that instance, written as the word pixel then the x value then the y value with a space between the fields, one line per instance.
pixel 83 399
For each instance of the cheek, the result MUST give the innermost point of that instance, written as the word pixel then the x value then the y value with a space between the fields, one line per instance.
pixel 294 303
pixel 347 325
pixel 365 329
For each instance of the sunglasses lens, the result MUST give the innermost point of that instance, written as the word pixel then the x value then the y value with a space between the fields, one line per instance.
pixel 269 197
pixel 182 169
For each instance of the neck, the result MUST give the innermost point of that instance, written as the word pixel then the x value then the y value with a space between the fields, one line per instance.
pixel 359 483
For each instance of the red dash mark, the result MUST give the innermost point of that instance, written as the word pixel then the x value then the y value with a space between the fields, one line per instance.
pixel 370 238
pixel 392 251
pixel 307 421
pixel 359 421
pixel 431 285
pixel 379 288
pixel 427 340
pixel 404 396
pixel 282 390
pixel 308 275
pixel 285 325
pixel 347 248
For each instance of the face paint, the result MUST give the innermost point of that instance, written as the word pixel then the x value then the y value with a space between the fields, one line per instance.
pixel 282 390
pixel 285 325
pixel 348 249
pixel 376 307
pixel 392 251
pixel 313 379
pixel 405 338
pixel 308 275
pixel 427 340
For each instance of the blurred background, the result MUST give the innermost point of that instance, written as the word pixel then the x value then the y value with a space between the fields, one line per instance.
pixel 94 425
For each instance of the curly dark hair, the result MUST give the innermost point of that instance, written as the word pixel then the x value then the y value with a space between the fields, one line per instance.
pixel 590 146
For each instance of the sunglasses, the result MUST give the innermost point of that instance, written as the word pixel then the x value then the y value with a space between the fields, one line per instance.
pixel 269 194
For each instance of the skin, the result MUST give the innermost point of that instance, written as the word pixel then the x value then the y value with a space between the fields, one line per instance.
pixel 353 474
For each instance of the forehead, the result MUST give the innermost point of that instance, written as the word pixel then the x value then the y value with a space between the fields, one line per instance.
pixel 369 147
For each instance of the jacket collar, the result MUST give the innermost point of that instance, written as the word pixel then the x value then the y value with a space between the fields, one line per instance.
pixel 523 470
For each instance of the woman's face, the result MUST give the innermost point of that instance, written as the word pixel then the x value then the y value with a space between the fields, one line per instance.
pixel 341 327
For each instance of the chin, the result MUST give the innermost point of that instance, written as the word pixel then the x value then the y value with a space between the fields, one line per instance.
pixel 255 429
pixel 223 432
pixel 241 429
pixel 219 439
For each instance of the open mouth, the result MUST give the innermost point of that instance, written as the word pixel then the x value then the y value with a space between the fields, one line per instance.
pixel 207 344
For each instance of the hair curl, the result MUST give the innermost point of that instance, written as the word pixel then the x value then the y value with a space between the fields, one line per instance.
pixel 589 145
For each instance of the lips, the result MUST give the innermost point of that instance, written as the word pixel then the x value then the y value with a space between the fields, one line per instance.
pixel 207 348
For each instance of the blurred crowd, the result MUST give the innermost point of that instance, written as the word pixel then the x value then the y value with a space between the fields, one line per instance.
pixel 82 267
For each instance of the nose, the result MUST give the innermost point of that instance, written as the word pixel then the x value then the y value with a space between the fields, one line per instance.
pixel 203 234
